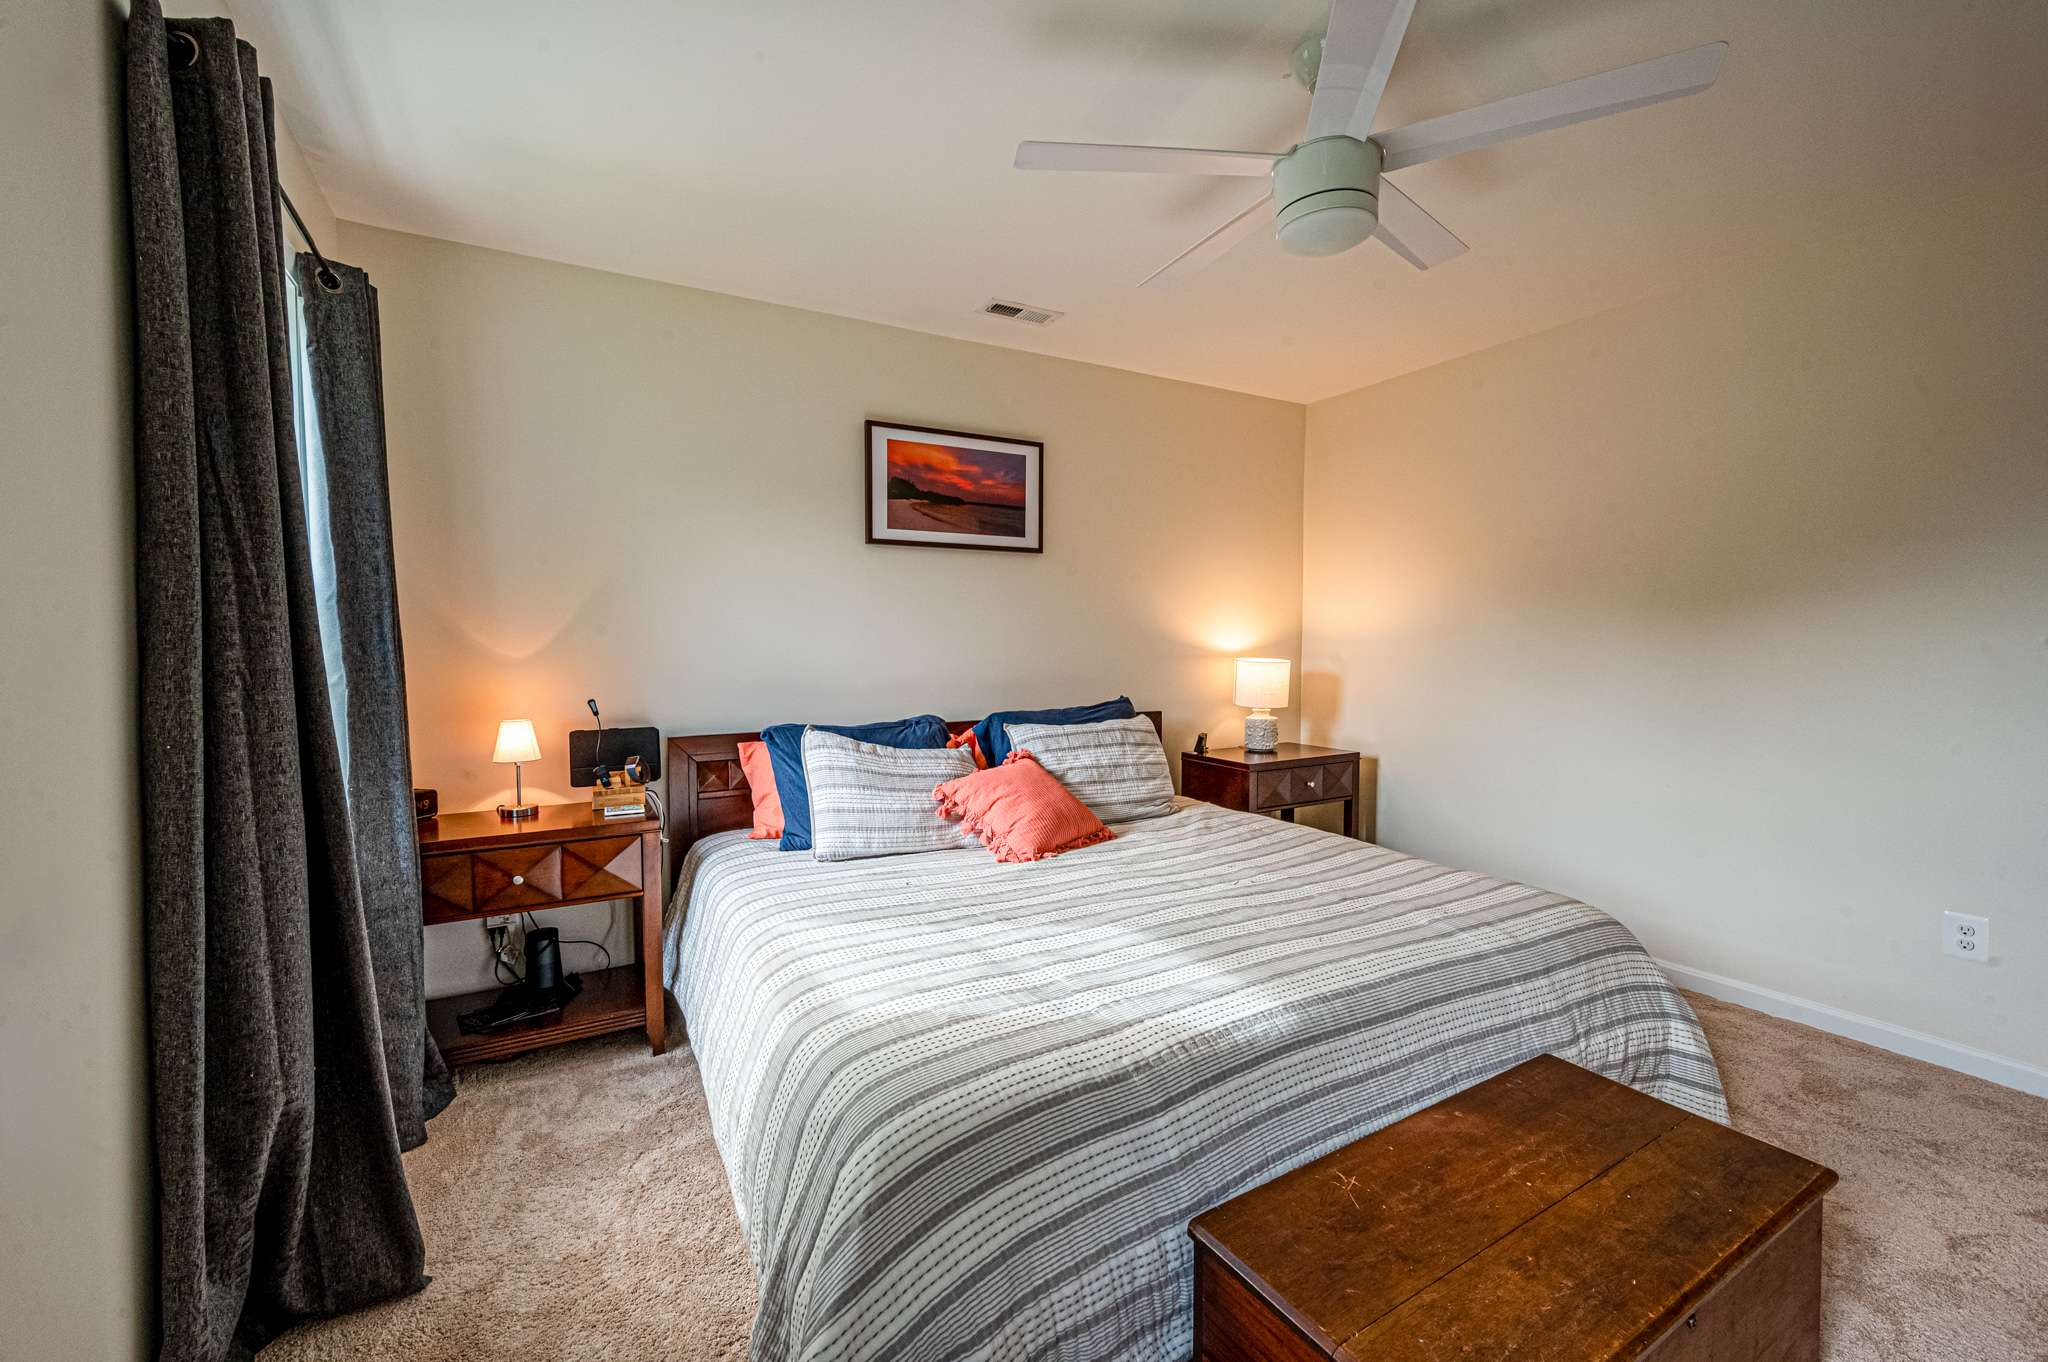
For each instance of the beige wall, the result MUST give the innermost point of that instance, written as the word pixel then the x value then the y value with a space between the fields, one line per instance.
pixel 74 1256
pixel 604 486
pixel 1727 612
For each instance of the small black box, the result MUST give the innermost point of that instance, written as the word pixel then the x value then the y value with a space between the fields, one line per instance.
pixel 426 803
pixel 619 743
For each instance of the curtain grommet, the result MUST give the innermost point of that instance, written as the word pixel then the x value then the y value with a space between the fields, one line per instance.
pixel 184 49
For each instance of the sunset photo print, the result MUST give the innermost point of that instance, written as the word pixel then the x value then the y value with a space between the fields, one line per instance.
pixel 949 489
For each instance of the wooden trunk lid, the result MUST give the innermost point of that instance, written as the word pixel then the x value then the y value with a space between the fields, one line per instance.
pixel 1545 1213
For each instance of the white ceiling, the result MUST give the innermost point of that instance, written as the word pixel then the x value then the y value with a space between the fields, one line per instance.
pixel 855 157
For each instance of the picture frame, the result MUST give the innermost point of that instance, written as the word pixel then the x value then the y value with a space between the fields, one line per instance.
pixel 953 489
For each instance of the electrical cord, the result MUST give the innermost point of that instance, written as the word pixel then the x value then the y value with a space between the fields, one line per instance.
pixel 531 925
pixel 660 816
pixel 499 936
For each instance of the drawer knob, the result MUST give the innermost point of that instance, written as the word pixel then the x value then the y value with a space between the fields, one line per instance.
pixel 519 879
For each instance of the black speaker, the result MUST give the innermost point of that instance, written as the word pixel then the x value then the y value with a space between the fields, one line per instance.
pixel 585 752
pixel 542 993
pixel 543 959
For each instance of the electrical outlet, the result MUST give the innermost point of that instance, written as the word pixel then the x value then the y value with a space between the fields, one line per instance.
pixel 498 931
pixel 1966 937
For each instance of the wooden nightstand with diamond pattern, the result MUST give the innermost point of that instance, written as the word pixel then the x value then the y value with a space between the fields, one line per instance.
pixel 476 865
pixel 1285 779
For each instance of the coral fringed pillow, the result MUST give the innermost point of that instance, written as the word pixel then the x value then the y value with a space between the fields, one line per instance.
pixel 760 773
pixel 1019 811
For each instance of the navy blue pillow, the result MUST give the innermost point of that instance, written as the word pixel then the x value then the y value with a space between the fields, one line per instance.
pixel 994 736
pixel 786 754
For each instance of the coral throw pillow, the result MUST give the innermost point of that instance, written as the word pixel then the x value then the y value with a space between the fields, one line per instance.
pixel 1019 811
pixel 760 773
pixel 967 740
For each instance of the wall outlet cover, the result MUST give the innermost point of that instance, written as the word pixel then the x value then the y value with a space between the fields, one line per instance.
pixel 506 920
pixel 1966 936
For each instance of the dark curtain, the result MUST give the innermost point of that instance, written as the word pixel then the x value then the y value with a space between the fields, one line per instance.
pixel 281 1194
pixel 348 391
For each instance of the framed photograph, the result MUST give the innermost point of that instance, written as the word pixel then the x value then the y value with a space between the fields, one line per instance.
pixel 952 490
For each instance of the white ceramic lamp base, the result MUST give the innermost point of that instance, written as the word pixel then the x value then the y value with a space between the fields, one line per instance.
pixel 1261 731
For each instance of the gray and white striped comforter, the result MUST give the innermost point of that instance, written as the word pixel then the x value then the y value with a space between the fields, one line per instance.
pixel 968 1109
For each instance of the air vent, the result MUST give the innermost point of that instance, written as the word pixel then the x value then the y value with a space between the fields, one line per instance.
pixel 1037 316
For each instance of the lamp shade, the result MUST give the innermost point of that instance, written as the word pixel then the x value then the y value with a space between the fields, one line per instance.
pixel 516 741
pixel 1262 682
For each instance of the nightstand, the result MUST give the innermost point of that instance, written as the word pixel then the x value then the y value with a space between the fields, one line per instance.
pixel 1289 777
pixel 477 865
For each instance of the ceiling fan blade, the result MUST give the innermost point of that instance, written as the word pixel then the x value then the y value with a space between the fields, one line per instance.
pixel 1610 92
pixel 1358 56
pixel 1212 246
pixel 1415 236
pixel 1159 160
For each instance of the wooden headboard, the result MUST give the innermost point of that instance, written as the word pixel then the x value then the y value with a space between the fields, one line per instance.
pixel 705 791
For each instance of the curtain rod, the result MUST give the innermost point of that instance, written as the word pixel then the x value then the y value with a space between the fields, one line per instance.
pixel 184 52
pixel 329 280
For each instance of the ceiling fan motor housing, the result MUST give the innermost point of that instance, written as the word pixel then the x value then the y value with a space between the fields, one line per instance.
pixel 1327 195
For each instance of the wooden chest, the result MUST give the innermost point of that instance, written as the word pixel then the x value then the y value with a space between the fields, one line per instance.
pixel 1546 1215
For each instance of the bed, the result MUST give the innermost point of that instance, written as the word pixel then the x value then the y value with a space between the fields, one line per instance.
pixel 967 1109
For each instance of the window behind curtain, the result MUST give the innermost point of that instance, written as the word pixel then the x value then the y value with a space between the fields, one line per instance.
pixel 313 477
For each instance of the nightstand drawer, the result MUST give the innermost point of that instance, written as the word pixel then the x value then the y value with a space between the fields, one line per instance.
pixel 1273 789
pixel 1292 785
pixel 1340 781
pixel 517 877
pixel 509 879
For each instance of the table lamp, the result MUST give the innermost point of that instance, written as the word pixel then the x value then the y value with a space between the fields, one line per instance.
pixel 1262 688
pixel 517 744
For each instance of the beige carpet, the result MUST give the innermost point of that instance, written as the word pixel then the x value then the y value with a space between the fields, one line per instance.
pixel 574 1207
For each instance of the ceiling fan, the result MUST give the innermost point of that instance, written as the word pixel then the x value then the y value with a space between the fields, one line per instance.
pixel 1327 192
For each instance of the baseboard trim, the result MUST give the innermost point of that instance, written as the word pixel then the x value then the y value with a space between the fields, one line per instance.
pixel 2011 1073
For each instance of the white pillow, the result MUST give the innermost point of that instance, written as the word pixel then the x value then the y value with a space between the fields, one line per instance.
pixel 1117 767
pixel 868 800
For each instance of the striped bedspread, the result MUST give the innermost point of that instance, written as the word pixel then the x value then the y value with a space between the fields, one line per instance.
pixel 967 1109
